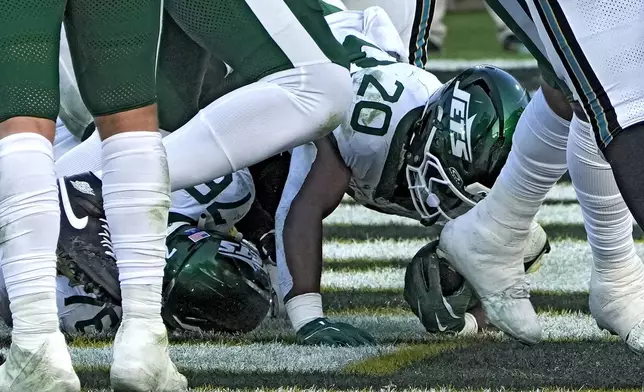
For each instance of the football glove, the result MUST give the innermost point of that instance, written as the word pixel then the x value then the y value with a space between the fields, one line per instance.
pixel 321 331
pixel 438 312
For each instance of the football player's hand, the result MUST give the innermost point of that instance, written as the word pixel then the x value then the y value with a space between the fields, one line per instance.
pixel 321 331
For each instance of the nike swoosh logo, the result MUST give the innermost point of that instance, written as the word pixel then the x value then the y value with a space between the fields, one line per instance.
pixel 76 222
pixel 449 308
pixel 440 326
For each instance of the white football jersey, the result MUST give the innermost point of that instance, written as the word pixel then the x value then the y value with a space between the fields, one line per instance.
pixel 220 203
pixel 80 312
pixel 367 35
pixel 386 96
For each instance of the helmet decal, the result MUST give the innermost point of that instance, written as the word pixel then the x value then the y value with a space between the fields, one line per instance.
pixel 240 252
pixel 460 124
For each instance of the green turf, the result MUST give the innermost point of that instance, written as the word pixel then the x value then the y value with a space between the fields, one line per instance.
pixel 472 35
pixel 477 364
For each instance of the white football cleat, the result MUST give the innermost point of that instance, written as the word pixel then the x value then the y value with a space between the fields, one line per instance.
pixel 490 258
pixel 536 246
pixel 48 369
pixel 617 300
pixel 141 360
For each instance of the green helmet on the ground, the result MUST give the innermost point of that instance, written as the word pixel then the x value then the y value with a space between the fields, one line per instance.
pixel 462 141
pixel 213 282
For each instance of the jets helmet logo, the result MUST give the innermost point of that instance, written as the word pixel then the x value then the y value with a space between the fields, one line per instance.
pixel 460 126
pixel 240 252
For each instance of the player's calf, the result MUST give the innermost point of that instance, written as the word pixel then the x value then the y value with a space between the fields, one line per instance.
pixel 29 226
pixel 617 280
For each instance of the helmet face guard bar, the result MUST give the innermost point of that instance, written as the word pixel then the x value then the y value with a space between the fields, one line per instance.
pixel 424 193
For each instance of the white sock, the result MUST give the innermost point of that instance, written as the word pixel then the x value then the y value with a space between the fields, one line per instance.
pixel 30 223
pixel 257 121
pixel 136 198
pixel 608 221
pixel 536 162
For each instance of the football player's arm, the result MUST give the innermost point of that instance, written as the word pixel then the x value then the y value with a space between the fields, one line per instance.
pixel 317 181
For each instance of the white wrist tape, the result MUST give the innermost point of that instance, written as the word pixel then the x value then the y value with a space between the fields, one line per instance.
pixel 304 308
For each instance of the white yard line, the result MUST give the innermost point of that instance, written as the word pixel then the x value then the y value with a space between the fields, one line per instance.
pixel 353 214
pixel 455 64
pixel 566 268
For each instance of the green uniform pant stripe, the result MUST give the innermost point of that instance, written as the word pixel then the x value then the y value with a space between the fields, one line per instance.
pixel 287 32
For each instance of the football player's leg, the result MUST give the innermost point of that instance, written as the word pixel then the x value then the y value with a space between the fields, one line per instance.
pixel 30 217
pixel 412 19
pixel 73 112
pixel 438 29
pixel 114 50
pixel 316 183
pixel 83 158
pixel 617 280
pixel 497 228
pixel 592 47
pixel 299 85
pixel 64 141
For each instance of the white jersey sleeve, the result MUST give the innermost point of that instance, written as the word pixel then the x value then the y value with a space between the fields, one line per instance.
pixel 387 100
pixel 223 202
pixel 369 35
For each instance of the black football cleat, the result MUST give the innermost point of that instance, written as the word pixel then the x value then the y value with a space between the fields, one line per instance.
pixel 85 253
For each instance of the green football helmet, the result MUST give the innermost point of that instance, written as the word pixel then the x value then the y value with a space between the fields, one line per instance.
pixel 461 142
pixel 437 294
pixel 213 282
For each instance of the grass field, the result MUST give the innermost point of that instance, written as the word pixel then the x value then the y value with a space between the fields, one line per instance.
pixel 366 254
pixel 471 39
pixel 472 36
